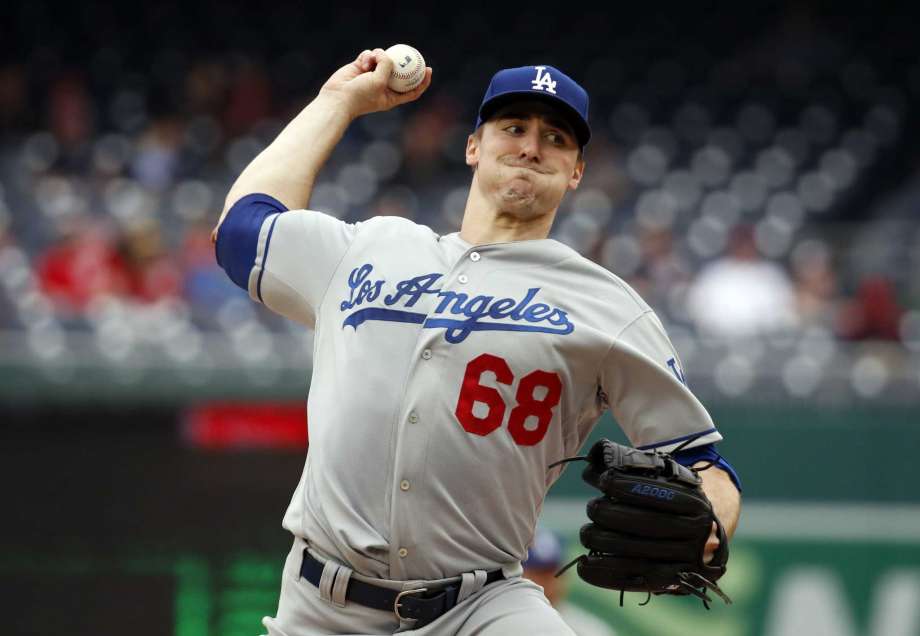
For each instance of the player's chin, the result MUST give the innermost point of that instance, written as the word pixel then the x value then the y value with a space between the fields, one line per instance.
pixel 518 197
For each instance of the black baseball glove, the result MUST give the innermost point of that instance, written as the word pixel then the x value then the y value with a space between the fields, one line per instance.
pixel 650 527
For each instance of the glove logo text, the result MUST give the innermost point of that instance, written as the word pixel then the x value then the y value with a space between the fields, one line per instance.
pixel 653 491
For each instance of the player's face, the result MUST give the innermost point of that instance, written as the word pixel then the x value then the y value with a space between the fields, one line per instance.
pixel 526 158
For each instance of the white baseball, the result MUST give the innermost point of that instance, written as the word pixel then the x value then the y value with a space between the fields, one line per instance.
pixel 408 68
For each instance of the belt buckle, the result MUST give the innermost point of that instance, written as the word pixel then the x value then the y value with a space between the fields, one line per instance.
pixel 397 604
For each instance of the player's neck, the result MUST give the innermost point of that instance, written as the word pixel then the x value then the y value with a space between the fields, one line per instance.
pixel 484 223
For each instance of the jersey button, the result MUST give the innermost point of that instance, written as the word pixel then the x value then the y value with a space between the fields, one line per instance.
pixel 463 278
pixel 403 553
pixel 426 354
pixel 404 485
pixel 413 417
pixel 474 256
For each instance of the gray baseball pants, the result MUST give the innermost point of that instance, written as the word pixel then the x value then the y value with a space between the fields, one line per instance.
pixel 509 606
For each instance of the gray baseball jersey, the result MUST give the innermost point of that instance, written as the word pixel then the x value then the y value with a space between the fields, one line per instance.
pixel 447 377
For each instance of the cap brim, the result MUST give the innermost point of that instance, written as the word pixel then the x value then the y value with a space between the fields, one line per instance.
pixel 582 132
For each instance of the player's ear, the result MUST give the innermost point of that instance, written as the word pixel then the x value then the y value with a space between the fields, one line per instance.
pixel 577 173
pixel 472 150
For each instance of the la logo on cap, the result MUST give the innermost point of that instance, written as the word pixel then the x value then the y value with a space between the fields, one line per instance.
pixel 543 80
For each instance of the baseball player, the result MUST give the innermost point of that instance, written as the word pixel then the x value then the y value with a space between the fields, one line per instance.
pixel 450 370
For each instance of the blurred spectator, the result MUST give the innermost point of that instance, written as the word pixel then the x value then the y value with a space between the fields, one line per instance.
pixel 12 97
pixel 543 560
pixel 205 285
pixel 82 265
pixel 157 157
pixel 70 118
pixel 424 137
pixel 873 314
pixel 816 287
pixel 249 99
pixel 741 294
pixel 151 272
pixel 662 268
pixel 205 88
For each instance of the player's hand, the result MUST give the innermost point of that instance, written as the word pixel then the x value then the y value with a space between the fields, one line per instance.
pixel 712 544
pixel 361 86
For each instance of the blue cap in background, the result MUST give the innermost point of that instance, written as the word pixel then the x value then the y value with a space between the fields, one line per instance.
pixel 546 551
pixel 540 82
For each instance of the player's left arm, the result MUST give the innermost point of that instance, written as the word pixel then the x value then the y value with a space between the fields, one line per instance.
pixel 726 502
pixel 721 485
pixel 647 392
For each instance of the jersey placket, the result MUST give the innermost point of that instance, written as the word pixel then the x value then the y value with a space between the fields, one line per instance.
pixel 415 428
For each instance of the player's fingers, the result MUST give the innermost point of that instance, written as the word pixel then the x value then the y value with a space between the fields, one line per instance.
pixel 384 66
pixel 416 92
pixel 364 60
pixel 712 544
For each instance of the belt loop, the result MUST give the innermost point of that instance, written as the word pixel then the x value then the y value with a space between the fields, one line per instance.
pixel 471 583
pixel 330 569
pixel 340 587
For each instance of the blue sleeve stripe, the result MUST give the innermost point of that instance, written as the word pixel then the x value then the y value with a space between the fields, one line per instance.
pixel 238 236
pixel 707 452
pixel 677 439
pixel 268 242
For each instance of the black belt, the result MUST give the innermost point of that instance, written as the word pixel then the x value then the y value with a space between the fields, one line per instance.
pixel 420 605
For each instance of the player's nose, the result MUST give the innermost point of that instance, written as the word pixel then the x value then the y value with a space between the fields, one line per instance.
pixel 530 145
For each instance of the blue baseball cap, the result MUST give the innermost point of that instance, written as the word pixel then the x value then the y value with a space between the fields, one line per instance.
pixel 540 82
pixel 546 551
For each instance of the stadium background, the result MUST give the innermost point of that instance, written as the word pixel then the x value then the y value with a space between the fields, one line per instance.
pixel 753 172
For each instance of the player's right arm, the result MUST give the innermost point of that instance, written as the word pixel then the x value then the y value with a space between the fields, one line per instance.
pixel 286 170
pixel 285 259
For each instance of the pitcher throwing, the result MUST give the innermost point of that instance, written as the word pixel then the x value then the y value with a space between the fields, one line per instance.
pixel 450 371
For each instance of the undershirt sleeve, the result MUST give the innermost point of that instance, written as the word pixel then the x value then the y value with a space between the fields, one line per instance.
pixel 708 452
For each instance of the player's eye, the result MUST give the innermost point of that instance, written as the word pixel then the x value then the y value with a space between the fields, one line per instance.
pixel 556 138
pixel 514 129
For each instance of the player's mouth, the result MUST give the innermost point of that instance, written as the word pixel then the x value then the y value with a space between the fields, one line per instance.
pixel 512 163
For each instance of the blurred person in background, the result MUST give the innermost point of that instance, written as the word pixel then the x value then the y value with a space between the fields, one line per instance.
pixel 249 100
pixel 873 314
pixel 13 97
pixel 544 558
pixel 206 88
pixel 151 270
pixel 82 265
pixel 70 119
pixel 742 295
pixel 156 161
pixel 204 284
pixel 816 286
pixel 662 268
pixel 424 136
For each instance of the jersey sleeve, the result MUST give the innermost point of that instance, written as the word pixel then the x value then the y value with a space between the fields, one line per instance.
pixel 645 388
pixel 283 259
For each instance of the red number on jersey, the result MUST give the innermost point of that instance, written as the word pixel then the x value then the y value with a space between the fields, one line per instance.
pixel 472 391
pixel 528 405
